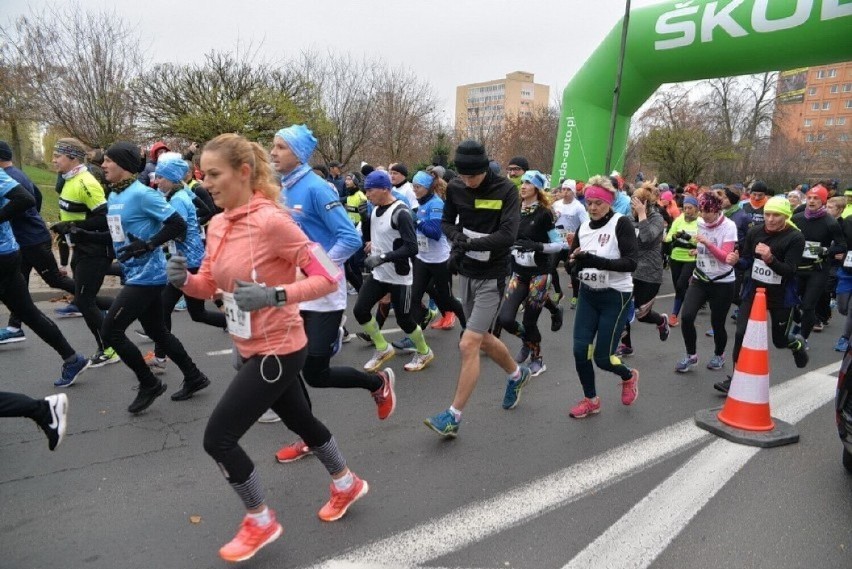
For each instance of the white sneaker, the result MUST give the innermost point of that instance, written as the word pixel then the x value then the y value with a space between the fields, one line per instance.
pixel 55 430
pixel 419 361
pixel 379 358
pixel 269 417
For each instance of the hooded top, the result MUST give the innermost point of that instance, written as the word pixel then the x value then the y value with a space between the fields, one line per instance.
pixel 260 236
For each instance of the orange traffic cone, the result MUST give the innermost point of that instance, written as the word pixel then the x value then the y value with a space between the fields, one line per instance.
pixel 747 405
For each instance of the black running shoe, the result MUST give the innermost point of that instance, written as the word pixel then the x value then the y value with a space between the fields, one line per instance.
pixel 556 318
pixel 146 396
pixel 187 388
pixel 800 355
pixel 723 386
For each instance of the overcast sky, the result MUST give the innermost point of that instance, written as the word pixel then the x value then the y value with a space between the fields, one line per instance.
pixel 447 42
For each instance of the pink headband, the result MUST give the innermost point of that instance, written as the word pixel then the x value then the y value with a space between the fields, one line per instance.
pixel 599 193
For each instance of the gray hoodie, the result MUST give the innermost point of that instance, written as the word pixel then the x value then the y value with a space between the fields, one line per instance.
pixel 649 234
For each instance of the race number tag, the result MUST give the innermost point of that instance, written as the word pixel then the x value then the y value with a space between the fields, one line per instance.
pixel 847 260
pixel 524 258
pixel 172 247
pixel 760 271
pixel 116 232
pixel 594 278
pixel 705 260
pixel 483 256
pixel 422 243
pixel 239 322
pixel 811 250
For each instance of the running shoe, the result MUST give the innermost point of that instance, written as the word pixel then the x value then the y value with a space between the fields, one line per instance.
pixel 337 345
pixel 523 354
pixel 557 296
pixel 585 407
pixel 104 357
pixel 444 423
pixel 405 345
pixel 181 305
pixel 723 386
pixel 364 336
pixel 348 336
pixel 630 388
pixel 833 303
pixel 842 344
pixel 573 303
pixel 379 358
pixel 687 363
pixel 537 367
pixel 250 538
pixel 71 371
pixel 293 452
pixel 419 361
pixel 439 323
pixel 428 317
pixel 734 316
pixel 141 333
pixel 800 355
pixel 146 396
pixel 556 319
pixel 631 312
pixel 673 321
pixel 624 350
pixel 340 500
pixel 156 365
pixel 188 388
pixel 11 336
pixel 269 416
pixel 514 387
pixel 664 329
pixel 385 396
pixel 819 327
pixel 69 311
pixel 351 291
pixel 710 333
pixel 55 429
pixel 449 321
pixel 716 362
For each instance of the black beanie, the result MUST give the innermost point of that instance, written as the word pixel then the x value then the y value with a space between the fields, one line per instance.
pixel 366 169
pixel 733 195
pixel 471 158
pixel 759 186
pixel 126 155
pixel 521 162
pixel 5 151
pixel 401 168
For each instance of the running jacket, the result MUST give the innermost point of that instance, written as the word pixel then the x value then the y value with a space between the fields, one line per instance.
pixel 432 245
pixel 786 246
pixel 819 232
pixel 81 199
pixel 681 254
pixel 29 228
pixel 8 244
pixel 191 246
pixel 536 223
pixel 261 237
pixel 649 236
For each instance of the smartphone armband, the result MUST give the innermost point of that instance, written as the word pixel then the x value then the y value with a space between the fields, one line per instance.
pixel 320 264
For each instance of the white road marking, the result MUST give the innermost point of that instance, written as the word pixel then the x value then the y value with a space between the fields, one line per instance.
pixel 642 534
pixel 411 548
pixel 221 352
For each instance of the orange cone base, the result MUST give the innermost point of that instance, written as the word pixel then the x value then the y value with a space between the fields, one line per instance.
pixel 746 416
pixel 783 433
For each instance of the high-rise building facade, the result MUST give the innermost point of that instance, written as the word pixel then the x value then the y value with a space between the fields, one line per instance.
pixel 482 108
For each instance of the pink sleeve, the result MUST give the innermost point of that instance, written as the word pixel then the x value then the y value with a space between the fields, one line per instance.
pixel 721 253
pixel 292 246
pixel 201 285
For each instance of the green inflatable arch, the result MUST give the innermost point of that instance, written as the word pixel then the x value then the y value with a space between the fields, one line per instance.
pixel 684 41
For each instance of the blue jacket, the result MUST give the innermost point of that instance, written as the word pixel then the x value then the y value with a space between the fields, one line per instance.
pixel 29 228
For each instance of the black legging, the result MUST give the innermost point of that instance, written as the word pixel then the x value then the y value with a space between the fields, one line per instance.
pixel 811 287
pixel 20 405
pixel 144 303
pixel 719 296
pixel 434 278
pixel 644 294
pixel 40 257
pixel 681 273
pixel 14 292
pixel 195 307
pixel 89 275
pixel 353 267
pixel 248 396
pixel 531 290
pixel 781 321
pixel 373 290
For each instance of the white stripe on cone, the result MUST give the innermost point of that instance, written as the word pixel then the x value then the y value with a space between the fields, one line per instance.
pixel 749 388
pixel 755 336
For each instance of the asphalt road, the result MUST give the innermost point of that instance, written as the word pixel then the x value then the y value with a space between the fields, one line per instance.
pixel 631 487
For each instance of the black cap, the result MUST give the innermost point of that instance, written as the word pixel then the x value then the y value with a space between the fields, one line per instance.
pixel 401 168
pixel 126 155
pixel 471 158
pixel 521 162
pixel 5 151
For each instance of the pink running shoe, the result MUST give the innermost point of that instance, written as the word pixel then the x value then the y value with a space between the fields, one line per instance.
pixel 630 388
pixel 585 408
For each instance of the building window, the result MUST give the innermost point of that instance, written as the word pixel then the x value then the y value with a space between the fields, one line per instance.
pixel 834 89
pixel 810 138
pixel 843 138
pixel 840 121
pixel 809 122
pixel 812 91
pixel 849 104
pixel 832 72
pixel 821 74
pixel 814 106
pixel 826 105
pixel 821 138
pixel 829 122
pixel 847 87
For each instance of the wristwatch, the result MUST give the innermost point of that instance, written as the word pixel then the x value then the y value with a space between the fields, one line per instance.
pixel 383 257
pixel 280 296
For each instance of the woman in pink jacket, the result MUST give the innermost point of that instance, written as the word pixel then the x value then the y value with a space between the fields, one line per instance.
pixel 265 265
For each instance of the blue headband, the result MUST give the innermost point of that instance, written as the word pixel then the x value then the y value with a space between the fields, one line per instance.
pixel 535 178
pixel 421 178
pixel 300 139
pixel 689 200
pixel 172 170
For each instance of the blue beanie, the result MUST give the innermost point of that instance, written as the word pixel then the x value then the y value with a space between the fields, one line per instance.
pixel 300 139
pixel 172 167
pixel 421 178
pixel 689 200
pixel 377 179
pixel 535 178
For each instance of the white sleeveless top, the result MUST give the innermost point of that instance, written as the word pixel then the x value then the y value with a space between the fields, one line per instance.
pixel 603 243
pixel 382 237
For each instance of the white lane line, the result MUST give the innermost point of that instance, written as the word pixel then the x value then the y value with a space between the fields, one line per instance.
pixel 477 521
pixel 642 534
pixel 221 352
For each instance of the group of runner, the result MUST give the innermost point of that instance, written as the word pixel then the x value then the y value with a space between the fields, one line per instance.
pixel 278 256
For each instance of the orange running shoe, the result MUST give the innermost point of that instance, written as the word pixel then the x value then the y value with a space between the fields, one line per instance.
pixel 673 320
pixel 439 323
pixel 385 397
pixel 293 452
pixel 340 500
pixel 250 539
pixel 449 321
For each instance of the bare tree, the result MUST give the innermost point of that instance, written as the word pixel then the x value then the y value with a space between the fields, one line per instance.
pixel 532 136
pixel 80 66
pixel 19 106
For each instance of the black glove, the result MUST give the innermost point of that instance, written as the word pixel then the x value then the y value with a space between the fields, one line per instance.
pixel 592 261
pixel 525 244
pixel 136 248
pixel 62 227
pixel 461 242
pixel 455 262
pixel 373 261
pixel 79 235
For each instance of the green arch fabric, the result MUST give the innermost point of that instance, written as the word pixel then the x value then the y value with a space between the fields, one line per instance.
pixel 684 41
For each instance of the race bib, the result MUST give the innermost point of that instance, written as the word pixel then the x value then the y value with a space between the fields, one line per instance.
pixel 524 258
pixel 483 256
pixel 239 322
pixel 116 232
pixel 172 247
pixel 594 278
pixel 847 260
pixel 811 250
pixel 563 235
pixel 422 243
pixel 706 261
pixel 760 271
